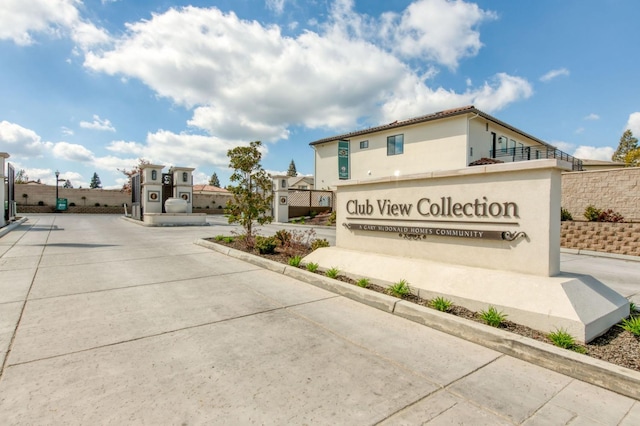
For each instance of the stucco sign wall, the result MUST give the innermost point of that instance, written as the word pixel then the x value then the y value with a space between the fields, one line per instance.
pixel 503 216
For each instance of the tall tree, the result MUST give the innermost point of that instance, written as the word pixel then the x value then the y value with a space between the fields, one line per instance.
pixel 21 177
pixel 95 182
pixel 214 180
pixel 292 169
pixel 67 184
pixel 627 144
pixel 251 189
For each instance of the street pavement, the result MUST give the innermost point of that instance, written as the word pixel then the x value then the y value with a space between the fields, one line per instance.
pixel 103 321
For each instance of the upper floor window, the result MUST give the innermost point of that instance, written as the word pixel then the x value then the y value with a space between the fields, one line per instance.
pixel 364 144
pixel 395 145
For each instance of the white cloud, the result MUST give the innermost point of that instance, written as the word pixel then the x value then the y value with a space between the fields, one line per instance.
pixel 18 140
pixel 564 146
pixel 98 124
pixel 276 5
pixel 66 131
pixel 579 130
pixel 128 148
pixel 162 148
pixel 336 78
pixel 72 152
pixel 554 74
pixel 633 124
pixel 594 153
pixel 439 30
pixel 19 22
pixel 592 117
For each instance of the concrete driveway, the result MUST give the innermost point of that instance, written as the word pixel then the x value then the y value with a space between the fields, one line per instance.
pixel 104 321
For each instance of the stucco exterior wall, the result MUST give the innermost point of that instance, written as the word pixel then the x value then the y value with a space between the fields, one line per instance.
pixel 616 189
pixel 439 145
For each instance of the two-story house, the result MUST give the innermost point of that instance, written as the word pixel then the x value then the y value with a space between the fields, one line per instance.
pixel 451 139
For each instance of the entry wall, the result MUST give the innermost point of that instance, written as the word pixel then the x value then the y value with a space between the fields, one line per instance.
pixel 534 186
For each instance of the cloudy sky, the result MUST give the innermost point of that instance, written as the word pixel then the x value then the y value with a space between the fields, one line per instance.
pixel 93 85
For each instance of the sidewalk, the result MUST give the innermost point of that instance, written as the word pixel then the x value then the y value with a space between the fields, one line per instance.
pixel 103 321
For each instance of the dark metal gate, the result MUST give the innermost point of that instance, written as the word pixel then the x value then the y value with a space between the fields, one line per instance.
pixel 10 213
pixel 167 188
pixel 136 196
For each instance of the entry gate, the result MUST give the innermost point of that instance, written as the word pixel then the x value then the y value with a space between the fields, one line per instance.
pixel 10 212
pixel 136 196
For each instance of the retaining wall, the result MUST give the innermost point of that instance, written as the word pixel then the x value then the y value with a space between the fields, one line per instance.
pixel 618 238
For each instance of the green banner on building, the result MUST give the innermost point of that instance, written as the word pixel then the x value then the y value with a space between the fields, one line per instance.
pixel 343 159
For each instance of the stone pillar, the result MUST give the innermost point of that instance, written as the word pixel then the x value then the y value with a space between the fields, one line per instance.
pixel 280 199
pixel 151 188
pixel 183 185
pixel 3 191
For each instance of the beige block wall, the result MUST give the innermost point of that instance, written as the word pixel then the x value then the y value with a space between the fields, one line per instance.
pixel 616 189
pixel 617 238
pixel 47 194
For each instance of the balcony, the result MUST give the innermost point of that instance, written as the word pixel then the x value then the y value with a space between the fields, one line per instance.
pixel 526 153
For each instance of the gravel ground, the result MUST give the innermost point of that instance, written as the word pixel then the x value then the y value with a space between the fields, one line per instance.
pixel 616 346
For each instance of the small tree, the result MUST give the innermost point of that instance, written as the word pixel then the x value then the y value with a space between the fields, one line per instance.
pixel 251 189
pixel 214 180
pixel 627 144
pixel 67 184
pixel 632 159
pixel 292 169
pixel 95 182
pixel 21 177
pixel 126 187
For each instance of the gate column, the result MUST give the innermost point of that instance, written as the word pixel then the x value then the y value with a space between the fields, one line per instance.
pixel 3 195
pixel 183 185
pixel 280 199
pixel 151 188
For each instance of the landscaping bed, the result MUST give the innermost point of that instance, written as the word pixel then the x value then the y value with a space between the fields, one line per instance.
pixel 616 346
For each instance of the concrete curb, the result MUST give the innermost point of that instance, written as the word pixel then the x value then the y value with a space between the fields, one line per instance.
pixel 582 367
pixel 4 231
pixel 600 254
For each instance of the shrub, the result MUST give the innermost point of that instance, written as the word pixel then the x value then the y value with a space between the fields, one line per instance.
pixel 283 236
pixel 313 214
pixel 41 203
pixel 312 267
pixel 440 303
pixel 229 240
pixel 363 282
pixel 96 205
pixel 610 216
pixel 72 204
pixel 316 244
pixel 565 215
pixel 332 218
pixel 219 237
pixel 633 308
pixel 265 245
pixel 399 289
pixel 492 317
pixel 562 339
pixel 333 272
pixel 295 261
pixel 631 324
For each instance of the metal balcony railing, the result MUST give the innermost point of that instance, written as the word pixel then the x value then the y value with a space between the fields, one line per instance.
pixel 526 153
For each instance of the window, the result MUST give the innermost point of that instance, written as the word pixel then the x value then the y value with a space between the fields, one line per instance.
pixel 364 144
pixel 395 145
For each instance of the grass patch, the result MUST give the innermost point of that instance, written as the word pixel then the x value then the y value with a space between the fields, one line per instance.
pixel 332 273
pixel 441 304
pixel 562 339
pixel 363 282
pixel 492 317
pixel 295 261
pixel 632 325
pixel 399 289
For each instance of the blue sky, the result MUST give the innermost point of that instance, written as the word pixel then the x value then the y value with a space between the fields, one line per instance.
pixel 91 86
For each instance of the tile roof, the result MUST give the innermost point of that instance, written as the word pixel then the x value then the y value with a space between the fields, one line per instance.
pixel 469 109
pixel 209 188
